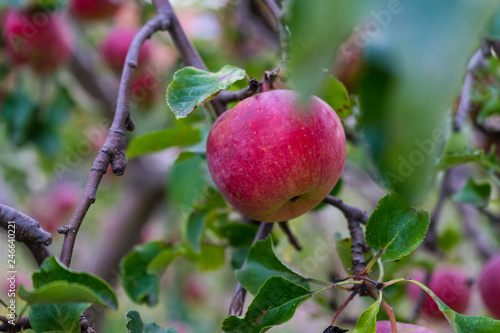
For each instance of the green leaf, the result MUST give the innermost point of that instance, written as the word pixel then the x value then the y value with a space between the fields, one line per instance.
pixel 343 247
pixel 491 107
pixel 274 304
pixel 462 323
pixel 53 275
pixel 402 116
pixel 262 263
pixel 57 318
pixel 160 263
pixel 187 184
pixel 367 322
pixel 195 224
pixel 239 234
pixel 474 194
pixel 210 258
pixel 396 227
pixel 192 87
pixel 62 292
pixel 135 325
pixel 317 30
pixel 333 92
pixel 141 285
pixel 157 141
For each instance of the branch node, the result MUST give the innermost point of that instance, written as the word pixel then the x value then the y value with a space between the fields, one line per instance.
pixel 129 124
pixel 63 230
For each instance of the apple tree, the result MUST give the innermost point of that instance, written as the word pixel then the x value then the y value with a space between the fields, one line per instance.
pixel 287 165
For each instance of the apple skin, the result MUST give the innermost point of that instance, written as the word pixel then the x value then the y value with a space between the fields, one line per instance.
pixel 89 10
pixel 449 284
pixel 489 285
pixel 274 159
pixel 37 38
pixel 115 46
pixel 385 327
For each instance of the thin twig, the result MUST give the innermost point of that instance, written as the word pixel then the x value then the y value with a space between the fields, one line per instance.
pixel 281 29
pixel 233 96
pixel 342 307
pixel 291 237
pixel 470 217
pixel 349 211
pixel 236 306
pixel 274 8
pixel 477 61
pixel 113 150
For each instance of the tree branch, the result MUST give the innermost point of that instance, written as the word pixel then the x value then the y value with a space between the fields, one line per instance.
pixel 113 150
pixel 350 212
pixel 27 231
pixel 236 306
pixel 477 61
pixel 291 237
pixel 233 96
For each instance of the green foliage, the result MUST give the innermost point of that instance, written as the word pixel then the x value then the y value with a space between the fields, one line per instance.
pixel 156 141
pixel 135 325
pixel 474 194
pixel 401 112
pixel 368 320
pixel 141 284
pixel 192 87
pixel 57 318
pixel 274 304
pixel 335 94
pixel 262 264
pixel 312 41
pixel 396 227
pixel 55 283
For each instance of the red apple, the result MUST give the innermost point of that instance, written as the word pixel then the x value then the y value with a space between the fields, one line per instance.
pixel 115 46
pixel 273 158
pixel 385 327
pixel 89 10
pixel 38 38
pixel 449 284
pixel 489 285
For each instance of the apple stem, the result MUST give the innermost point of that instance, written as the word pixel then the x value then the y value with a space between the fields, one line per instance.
pixel 291 237
pixel 342 307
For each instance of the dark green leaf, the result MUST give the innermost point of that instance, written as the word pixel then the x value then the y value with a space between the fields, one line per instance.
pixel 160 263
pixel 210 258
pixel 239 234
pixel 396 227
pixel 192 87
pixel 57 318
pixel 195 224
pixel 262 264
pixel 157 141
pixel 474 194
pixel 135 325
pixel 87 287
pixel 367 322
pixel 274 304
pixel 140 285
pixel 335 94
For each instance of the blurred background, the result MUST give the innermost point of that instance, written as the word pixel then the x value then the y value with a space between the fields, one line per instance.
pixel 403 65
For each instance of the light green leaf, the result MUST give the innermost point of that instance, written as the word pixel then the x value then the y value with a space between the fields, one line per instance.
pixel 333 92
pixel 135 325
pixel 274 304
pixel 53 275
pixel 57 318
pixel 157 141
pixel 462 323
pixel 367 322
pixel 474 194
pixel 396 227
pixel 192 87
pixel 262 263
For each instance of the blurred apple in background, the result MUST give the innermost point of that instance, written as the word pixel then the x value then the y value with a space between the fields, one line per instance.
pixel 115 46
pixel 89 10
pixel 449 284
pixel 489 285
pixel 36 37
pixel 53 208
